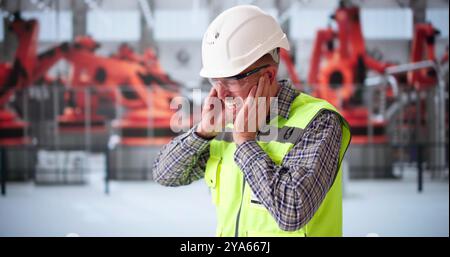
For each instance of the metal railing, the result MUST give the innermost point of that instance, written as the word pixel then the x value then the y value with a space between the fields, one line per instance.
pixel 431 140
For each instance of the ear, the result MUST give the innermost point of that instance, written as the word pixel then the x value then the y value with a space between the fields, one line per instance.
pixel 272 73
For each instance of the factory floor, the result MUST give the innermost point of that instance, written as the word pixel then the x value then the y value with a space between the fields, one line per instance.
pixel 377 207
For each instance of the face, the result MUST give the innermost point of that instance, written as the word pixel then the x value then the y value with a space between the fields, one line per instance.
pixel 229 89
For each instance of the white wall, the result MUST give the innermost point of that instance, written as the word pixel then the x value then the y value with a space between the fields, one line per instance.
pixel 185 73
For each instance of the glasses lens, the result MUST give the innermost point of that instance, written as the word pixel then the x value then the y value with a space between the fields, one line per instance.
pixel 226 82
pixel 236 80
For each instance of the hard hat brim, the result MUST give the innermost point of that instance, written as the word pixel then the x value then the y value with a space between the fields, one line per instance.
pixel 283 43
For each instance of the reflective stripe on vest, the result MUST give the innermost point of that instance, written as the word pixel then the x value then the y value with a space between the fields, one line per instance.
pixel 239 212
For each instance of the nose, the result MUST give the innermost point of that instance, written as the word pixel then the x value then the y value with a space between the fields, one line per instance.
pixel 222 92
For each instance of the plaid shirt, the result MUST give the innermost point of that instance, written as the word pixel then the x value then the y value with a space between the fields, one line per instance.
pixel 293 191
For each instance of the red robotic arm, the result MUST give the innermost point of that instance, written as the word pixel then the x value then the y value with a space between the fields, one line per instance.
pixel 338 69
pixel 284 55
pixel 336 72
pixel 145 92
pixel 17 76
pixel 20 73
pixel 89 69
pixel 423 48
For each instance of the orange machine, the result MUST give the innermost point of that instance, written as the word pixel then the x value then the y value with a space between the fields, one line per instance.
pixel 138 83
pixel 145 93
pixel 423 48
pixel 18 153
pixel 17 76
pixel 337 74
pixel 26 69
pixel 148 59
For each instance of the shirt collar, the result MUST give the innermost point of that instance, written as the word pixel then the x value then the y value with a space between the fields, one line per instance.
pixel 285 97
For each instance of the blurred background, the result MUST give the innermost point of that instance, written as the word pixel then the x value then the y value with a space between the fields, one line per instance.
pixel 86 88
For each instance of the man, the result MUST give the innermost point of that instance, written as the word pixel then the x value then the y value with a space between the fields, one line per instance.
pixel 263 184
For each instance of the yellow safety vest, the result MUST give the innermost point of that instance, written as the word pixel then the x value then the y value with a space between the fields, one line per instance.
pixel 237 214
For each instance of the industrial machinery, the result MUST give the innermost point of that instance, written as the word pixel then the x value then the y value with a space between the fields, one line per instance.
pixel 419 115
pixel 144 92
pixel 137 84
pixel 338 69
pixel 18 156
pixel 423 121
pixel 13 131
pixel 290 67
pixel 423 48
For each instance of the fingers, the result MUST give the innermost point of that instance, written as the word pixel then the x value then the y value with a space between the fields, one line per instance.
pixel 263 91
pixel 254 110
pixel 260 87
pixel 250 101
pixel 266 85
pixel 251 111
pixel 253 91
pixel 267 93
pixel 212 92
pixel 209 99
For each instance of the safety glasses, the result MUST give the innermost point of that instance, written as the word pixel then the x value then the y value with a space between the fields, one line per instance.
pixel 235 80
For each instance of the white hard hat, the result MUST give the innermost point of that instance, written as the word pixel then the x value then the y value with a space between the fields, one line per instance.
pixel 237 38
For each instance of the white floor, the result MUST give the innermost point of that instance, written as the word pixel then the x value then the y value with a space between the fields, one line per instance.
pixel 395 208
pixel 384 208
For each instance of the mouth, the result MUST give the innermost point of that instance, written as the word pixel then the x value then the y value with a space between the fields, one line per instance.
pixel 230 104
pixel 231 109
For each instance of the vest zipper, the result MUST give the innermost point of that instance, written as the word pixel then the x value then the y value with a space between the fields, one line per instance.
pixel 236 233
